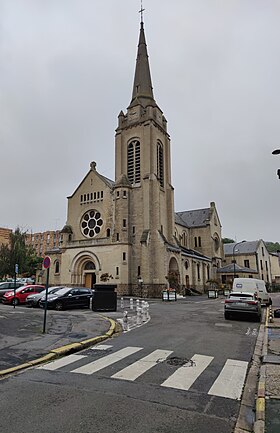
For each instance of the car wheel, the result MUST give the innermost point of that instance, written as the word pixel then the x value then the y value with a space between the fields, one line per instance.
pixel 59 306
pixel 227 315
pixel 15 301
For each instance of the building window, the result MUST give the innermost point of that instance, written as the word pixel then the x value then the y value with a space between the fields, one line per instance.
pixel 198 271
pixel 56 267
pixel 133 230
pixel 124 223
pixel 139 271
pixel 124 194
pixel 262 251
pixel 195 241
pixel 124 256
pixel 246 263
pixel 91 223
pixel 101 194
pixel 118 237
pixel 117 271
pixel 199 241
pixel 266 266
pixel 261 263
pixel 108 233
pixel 160 168
pixel 118 194
pixel 133 161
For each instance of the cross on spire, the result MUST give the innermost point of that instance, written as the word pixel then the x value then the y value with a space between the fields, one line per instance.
pixel 141 11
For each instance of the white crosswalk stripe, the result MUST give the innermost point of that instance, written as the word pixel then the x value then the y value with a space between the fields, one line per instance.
pixel 228 384
pixel 185 376
pixel 99 364
pixel 138 368
pixel 59 363
pixel 230 381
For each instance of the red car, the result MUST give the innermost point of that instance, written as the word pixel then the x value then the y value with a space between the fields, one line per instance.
pixel 21 294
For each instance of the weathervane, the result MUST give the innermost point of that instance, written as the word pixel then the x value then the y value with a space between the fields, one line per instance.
pixel 141 11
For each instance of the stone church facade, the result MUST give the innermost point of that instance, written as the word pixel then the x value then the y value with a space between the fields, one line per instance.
pixel 125 232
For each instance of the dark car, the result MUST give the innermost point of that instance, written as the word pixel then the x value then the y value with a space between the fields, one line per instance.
pixel 8 285
pixel 245 303
pixel 33 299
pixel 68 297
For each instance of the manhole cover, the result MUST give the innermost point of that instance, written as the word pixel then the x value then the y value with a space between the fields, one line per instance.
pixel 180 362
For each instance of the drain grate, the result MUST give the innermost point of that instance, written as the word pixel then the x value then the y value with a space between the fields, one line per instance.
pixel 179 362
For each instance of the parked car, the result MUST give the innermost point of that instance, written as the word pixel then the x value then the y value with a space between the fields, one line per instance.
pixel 243 303
pixel 68 297
pixel 7 286
pixel 21 294
pixel 33 299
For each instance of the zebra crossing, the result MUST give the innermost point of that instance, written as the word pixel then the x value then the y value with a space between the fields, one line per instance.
pixel 228 384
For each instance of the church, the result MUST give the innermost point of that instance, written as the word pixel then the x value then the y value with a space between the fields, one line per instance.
pixel 125 231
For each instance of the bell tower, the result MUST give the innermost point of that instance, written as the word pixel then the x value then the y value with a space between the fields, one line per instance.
pixel 143 174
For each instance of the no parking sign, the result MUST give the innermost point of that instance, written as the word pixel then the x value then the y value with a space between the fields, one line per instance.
pixel 47 262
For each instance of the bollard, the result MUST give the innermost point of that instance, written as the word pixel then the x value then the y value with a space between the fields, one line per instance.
pixel 131 303
pixel 125 321
pixel 144 308
pixel 270 315
pixel 137 303
pixel 138 317
pixel 148 312
pixel 122 304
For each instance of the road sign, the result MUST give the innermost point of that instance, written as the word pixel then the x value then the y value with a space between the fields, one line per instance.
pixel 47 262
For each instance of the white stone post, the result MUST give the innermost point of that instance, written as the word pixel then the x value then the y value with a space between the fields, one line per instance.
pixel 125 321
pixel 139 316
pixel 122 304
pixel 131 303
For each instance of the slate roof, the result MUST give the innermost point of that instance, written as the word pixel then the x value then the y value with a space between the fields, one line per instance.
pixel 193 218
pixel 249 247
pixel 229 269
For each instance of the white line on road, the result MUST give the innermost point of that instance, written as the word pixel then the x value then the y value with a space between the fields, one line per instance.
pixel 105 361
pixel 230 381
pixel 101 347
pixel 54 365
pixel 225 325
pixel 185 376
pixel 140 367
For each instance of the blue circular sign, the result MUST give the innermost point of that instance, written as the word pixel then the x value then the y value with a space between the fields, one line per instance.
pixel 47 262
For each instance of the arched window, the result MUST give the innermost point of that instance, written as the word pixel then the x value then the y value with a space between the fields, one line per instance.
pixel 160 167
pixel 56 267
pixel 133 162
pixel 89 266
pixel 108 233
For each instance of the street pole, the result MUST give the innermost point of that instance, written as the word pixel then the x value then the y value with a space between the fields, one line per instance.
pixel 15 283
pixel 46 301
pixel 233 256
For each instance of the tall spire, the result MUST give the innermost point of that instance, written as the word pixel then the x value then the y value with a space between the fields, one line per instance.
pixel 142 92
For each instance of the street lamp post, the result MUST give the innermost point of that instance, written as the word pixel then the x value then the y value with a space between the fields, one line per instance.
pixel 233 256
pixel 277 152
pixel 140 281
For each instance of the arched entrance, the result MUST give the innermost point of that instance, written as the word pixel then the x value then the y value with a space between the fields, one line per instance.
pixel 173 274
pixel 90 275
pixel 85 268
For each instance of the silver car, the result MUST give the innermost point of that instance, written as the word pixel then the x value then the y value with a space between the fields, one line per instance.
pixel 33 300
pixel 243 303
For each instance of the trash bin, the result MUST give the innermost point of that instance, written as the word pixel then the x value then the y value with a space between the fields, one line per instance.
pixel 212 293
pixel 104 297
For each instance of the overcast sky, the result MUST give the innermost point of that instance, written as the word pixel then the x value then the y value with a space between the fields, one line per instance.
pixel 67 69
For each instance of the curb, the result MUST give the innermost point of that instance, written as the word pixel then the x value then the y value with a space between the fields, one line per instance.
pixel 63 350
pixel 259 425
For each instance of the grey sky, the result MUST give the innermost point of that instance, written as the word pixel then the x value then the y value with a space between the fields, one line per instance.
pixel 67 70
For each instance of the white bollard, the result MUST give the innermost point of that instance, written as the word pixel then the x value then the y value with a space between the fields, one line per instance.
pixel 122 304
pixel 138 317
pixel 131 303
pixel 144 309
pixel 125 321
pixel 148 312
pixel 137 303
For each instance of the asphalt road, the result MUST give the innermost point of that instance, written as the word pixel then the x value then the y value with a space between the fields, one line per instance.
pixel 183 371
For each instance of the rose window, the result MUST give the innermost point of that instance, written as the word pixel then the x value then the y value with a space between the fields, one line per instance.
pixel 91 223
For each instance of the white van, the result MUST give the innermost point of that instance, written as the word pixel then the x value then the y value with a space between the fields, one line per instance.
pixel 252 285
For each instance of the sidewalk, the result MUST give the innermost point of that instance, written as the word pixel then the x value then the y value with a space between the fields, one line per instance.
pixel 268 401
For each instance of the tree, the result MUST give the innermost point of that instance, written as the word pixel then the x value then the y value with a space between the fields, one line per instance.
pixel 17 252
pixel 272 247
pixel 228 241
